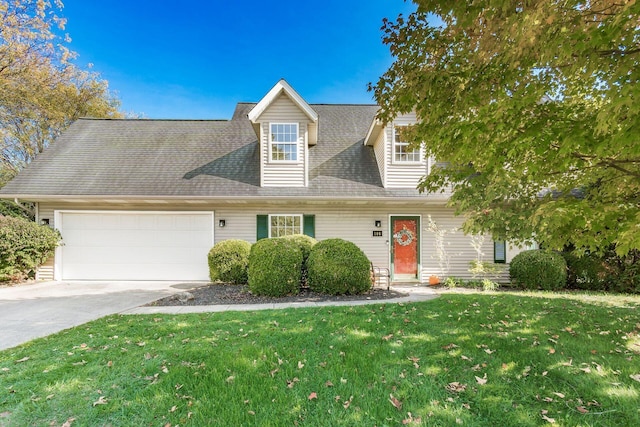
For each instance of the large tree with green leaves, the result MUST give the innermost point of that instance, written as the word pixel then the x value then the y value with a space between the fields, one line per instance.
pixel 535 105
pixel 42 90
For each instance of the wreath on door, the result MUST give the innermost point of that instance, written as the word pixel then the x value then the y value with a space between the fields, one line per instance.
pixel 404 237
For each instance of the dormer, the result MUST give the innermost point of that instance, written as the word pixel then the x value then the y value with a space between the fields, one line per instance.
pixel 286 127
pixel 400 167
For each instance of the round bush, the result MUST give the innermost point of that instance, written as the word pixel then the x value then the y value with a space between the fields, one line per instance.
pixel 229 261
pixel 24 246
pixel 338 267
pixel 275 267
pixel 538 269
pixel 304 242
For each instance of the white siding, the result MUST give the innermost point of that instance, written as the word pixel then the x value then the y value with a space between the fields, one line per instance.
pixel 278 174
pixel 399 175
pixel 352 222
pixel 381 158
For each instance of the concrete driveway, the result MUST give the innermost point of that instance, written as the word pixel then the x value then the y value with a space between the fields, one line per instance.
pixel 37 310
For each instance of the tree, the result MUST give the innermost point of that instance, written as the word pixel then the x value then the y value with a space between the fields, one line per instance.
pixel 42 91
pixel 535 107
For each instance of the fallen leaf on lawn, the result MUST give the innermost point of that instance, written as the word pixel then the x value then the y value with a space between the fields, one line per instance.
pixel 343 380
pixel 83 362
pixel 24 359
pixel 560 395
pixel 174 408
pixel 300 365
pixel 230 378
pixel 251 412
pixel 552 350
pixel 347 403
pixel 395 402
pixel 549 420
pixel 635 377
pixel 483 380
pixel 582 409
pixel 291 383
pixel 456 387
pixel 101 401
pixel 547 399
pixel 411 420
pixel 387 337
pixel 313 395
pixel 273 373
pixel 49 397
pixel 450 346
pixel 328 384
pixel 489 351
pixel 68 422
pixel 463 357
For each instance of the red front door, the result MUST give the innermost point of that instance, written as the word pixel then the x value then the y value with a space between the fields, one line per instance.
pixel 405 247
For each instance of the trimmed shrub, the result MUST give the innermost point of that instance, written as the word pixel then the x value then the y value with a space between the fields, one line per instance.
pixel 538 269
pixel 275 267
pixel 337 267
pixel 305 243
pixel 24 246
pixel 229 261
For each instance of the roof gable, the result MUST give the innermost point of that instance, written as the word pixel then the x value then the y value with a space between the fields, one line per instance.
pixel 282 87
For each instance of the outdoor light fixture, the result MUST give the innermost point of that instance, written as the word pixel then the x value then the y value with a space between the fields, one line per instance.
pixel 378 223
pixel 44 221
pixel 222 223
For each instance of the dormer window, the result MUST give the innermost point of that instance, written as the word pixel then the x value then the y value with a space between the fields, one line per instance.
pixel 401 151
pixel 283 142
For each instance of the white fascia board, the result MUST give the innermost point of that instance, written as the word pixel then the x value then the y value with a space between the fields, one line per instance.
pixel 272 95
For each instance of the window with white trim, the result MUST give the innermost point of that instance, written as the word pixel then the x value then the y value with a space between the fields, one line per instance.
pixel 284 225
pixel 401 151
pixel 283 142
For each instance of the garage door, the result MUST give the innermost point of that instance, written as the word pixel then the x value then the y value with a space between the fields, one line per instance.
pixel 134 245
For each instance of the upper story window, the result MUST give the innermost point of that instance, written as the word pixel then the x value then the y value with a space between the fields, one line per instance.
pixel 284 225
pixel 283 142
pixel 401 151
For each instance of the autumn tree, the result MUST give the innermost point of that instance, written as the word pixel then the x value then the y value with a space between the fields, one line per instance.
pixel 535 105
pixel 41 89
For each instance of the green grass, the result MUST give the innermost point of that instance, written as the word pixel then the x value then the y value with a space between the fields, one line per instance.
pixel 569 358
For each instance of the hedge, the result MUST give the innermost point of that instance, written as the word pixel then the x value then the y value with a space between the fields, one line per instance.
pixel 275 267
pixel 24 246
pixel 538 269
pixel 337 266
pixel 229 261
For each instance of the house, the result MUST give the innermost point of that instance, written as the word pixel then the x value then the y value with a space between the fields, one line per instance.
pixel 147 199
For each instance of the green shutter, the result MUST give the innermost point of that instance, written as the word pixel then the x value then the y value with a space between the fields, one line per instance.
pixel 309 225
pixel 262 227
pixel 499 252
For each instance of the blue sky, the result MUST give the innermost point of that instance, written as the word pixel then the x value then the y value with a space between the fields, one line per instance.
pixel 197 59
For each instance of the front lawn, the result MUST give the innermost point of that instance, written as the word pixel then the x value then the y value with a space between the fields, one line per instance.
pixel 477 360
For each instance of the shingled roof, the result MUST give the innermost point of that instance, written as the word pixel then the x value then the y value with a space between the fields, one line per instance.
pixel 135 158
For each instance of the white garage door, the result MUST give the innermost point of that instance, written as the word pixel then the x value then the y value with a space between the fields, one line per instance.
pixel 134 245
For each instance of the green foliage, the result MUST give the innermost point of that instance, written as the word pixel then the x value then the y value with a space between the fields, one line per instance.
pixel 532 107
pixel 452 282
pixel 275 267
pixel 229 261
pixel 24 245
pixel 338 267
pixel 305 243
pixel 538 269
pixel 485 269
pixel 608 272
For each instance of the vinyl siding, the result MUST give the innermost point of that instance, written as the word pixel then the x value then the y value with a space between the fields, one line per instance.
pixel 400 175
pixel 45 271
pixel 353 222
pixel 379 151
pixel 278 174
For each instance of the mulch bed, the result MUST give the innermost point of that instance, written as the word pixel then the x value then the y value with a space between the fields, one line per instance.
pixel 240 294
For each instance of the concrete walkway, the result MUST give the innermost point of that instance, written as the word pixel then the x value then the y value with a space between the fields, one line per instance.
pixel 37 310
